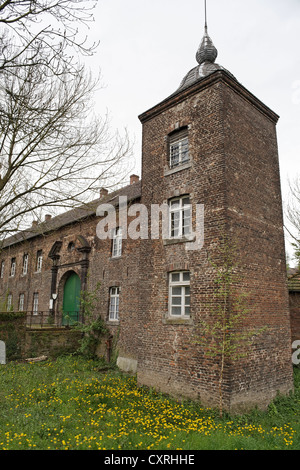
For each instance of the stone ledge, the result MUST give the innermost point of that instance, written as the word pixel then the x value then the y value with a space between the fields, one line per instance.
pixel 177 321
pixel 171 171
pixel 174 241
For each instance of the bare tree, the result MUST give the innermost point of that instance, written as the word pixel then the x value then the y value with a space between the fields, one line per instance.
pixel 54 152
pixel 293 217
pixel 44 32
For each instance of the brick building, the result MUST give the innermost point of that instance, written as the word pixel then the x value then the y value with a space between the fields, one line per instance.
pixel 294 297
pixel 209 145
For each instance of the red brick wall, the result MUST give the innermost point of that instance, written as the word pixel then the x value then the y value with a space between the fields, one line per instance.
pixel 235 174
pixel 254 209
pixel 169 359
pixel 122 272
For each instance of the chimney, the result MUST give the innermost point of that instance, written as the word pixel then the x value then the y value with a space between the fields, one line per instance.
pixel 134 179
pixel 48 217
pixel 103 192
pixel 34 223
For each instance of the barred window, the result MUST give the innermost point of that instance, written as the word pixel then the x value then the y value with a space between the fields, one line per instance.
pixel 178 148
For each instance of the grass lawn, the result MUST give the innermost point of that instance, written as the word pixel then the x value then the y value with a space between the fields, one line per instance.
pixel 70 404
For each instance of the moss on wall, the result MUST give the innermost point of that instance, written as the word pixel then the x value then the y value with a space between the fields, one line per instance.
pixel 51 342
pixel 12 332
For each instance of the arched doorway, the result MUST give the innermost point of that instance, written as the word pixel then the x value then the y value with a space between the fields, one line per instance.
pixel 71 300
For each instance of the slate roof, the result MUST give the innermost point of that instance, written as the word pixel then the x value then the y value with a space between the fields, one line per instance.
pixel 132 192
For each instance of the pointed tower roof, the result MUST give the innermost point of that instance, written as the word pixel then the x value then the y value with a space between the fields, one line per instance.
pixel 205 56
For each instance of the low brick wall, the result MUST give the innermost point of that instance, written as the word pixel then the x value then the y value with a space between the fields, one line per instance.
pixel 12 332
pixel 51 342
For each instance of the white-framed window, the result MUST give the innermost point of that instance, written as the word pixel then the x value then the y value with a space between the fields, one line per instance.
pixel 114 293
pixel 25 264
pixel 13 267
pixel 35 304
pixel 39 261
pixel 21 302
pixel 117 243
pixel 178 148
pixel 9 302
pixel 179 294
pixel 180 217
pixel 2 269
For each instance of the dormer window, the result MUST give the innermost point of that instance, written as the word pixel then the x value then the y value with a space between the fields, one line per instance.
pixel 178 148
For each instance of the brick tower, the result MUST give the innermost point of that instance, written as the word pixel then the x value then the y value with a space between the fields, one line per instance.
pixel 213 143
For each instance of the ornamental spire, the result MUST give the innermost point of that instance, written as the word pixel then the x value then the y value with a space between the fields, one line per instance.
pixel 207 51
pixel 205 11
pixel 206 56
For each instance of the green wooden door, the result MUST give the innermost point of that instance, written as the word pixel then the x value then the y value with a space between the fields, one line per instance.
pixel 71 302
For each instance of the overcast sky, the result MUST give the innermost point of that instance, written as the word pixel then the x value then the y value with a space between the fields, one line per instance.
pixel 146 48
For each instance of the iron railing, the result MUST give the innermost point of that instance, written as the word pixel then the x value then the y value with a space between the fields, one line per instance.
pixel 45 319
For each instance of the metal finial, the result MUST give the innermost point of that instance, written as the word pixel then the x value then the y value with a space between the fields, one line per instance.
pixel 207 51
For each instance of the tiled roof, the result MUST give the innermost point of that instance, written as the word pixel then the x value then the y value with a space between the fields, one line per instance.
pixel 132 192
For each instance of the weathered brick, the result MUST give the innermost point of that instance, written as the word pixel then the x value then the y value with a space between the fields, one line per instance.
pixel 234 173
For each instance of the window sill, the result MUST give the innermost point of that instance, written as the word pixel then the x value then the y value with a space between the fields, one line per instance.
pixel 184 166
pixel 112 258
pixel 178 321
pixel 174 241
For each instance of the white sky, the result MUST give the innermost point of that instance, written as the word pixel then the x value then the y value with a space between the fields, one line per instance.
pixel 147 47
